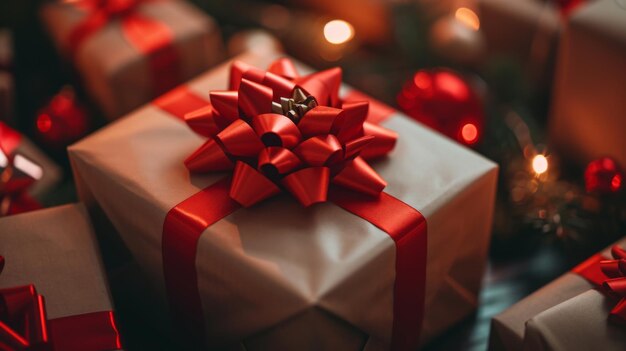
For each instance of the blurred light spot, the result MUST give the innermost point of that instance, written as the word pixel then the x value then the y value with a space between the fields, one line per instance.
pixel 453 85
pixel 338 31
pixel 467 17
pixel 28 167
pixel 422 80
pixel 616 182
pixel 540 164
pixel 44 123
pixel 469 133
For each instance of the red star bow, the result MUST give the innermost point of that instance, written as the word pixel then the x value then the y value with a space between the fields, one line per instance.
pixel 22 319
pixel 616 284
pixel 17 174
pixel 277 130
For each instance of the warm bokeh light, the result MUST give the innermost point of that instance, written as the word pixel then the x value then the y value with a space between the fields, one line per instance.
pixel 44 123
pixel 540 164
pixel 467 17
pixel 616 182
pixel 338 31
pixel 469 133
pixel 28 167
pixel 422 80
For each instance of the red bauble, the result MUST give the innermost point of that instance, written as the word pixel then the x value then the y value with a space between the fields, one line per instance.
pixel 444 101
pixel 63 120
pixel 603 176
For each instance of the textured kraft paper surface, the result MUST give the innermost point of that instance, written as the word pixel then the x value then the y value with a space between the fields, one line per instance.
pixel 567 304
pixel 281 275
pixel 118 76
pixel 56 250
pixel 587 118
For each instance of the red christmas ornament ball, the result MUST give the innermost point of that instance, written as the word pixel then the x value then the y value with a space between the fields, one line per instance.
pixel 63 120
pixel 603 176
pixel 443 100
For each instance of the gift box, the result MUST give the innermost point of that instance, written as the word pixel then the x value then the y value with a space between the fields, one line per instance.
pixel 526 31
pixel 128 52
pixel 574 312
pixel 587 117
pixel 27 173
pixel 52 271
pixel 241 263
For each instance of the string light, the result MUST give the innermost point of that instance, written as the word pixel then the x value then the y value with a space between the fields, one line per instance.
pixel 338 32
pixel 540 164
pixel 467 17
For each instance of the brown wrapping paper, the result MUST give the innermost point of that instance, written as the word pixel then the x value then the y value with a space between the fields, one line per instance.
pixel 588 115
pixel 525 30
pixel 281 276
pixel 117 76
pixel 56 250
pixel 573 314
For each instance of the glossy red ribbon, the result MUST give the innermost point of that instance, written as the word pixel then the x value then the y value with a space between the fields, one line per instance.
pixel 610 276
pixel 14 180
pixel 24 326
pixel 149 36
pixel 188 220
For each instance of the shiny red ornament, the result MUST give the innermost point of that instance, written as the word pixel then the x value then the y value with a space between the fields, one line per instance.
pixel 63 121
pixel 444 101
pixel 603 176
pixel 278 131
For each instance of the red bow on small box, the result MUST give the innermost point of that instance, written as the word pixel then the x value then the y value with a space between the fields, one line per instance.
pixel 22 319
pixel 17 174
pixel 278 130
pixel 616 285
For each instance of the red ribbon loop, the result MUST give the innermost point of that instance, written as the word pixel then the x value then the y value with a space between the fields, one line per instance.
pixel 24 326
pixel 307 139
pixel 596 270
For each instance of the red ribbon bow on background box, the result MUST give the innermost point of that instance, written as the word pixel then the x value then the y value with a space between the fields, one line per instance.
pixel 17 174
pixel 22 319
pixel 610 277
pixel 616 285
pixel 24 326
pixel 149 36
pixel 278 130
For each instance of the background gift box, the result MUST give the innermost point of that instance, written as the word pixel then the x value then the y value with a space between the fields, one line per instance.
pixel 567 314
pixel 587 119
pixel 56 251
pixel 142 50
pixel 289 280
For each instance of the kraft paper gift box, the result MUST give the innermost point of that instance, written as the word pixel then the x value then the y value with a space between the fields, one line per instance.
pixel 56 251
pixel 122 72
pixel 278 275
pixel 570 313
pixel 587 118
pixel 526 30
pixel 44 172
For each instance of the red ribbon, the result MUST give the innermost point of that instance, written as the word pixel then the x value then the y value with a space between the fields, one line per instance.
pixel 24 326
pixel 149 36
pixel 324 152
pixel 610 276
pixel 17 174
